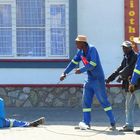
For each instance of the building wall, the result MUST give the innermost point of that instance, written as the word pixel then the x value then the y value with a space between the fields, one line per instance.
pixel 54 96
pixel 100 21
pixel 19 68
pixel 37 76
pixel 103 23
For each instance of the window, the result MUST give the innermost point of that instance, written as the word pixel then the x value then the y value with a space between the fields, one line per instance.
pixel 30 28
pixel 57 22
pixel 5 30
pixel 57 28
pixel 34 29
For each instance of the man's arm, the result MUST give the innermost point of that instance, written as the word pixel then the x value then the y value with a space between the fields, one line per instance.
pixel 113 76
pixel 135 76
pixel 74 62
pixel 136 72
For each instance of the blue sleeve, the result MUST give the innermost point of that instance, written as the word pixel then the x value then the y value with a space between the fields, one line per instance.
pixel 136 72
pixel 74 62
pixel 93 61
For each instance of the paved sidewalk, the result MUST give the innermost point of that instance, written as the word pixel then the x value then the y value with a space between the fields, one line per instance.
pixel 60 125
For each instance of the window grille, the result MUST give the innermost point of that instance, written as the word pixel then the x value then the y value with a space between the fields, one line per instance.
pixel 5 30
pixel 34 29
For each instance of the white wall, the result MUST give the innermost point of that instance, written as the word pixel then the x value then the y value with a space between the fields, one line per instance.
pixel 103 22
pixel 37 76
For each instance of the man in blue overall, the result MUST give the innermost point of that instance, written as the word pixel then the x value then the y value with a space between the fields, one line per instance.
pixel 134 86
pixel 5 123
pixel 95 84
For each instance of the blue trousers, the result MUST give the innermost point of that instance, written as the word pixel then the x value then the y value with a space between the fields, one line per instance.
pixel 91 88
pixel 9 122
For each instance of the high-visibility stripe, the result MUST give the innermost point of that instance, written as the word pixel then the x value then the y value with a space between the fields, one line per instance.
pixel 73 61
pixel 137 71
pixel 11 123
pixel 93 63
pixel 86 109
pixel 108 108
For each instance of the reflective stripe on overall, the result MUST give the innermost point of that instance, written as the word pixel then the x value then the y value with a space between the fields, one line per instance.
pixel 95 88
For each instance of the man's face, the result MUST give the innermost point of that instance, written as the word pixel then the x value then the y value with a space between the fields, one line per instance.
pixel 80 45
pixel 126 50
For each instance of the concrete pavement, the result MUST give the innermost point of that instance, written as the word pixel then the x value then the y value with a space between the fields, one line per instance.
pixel 60 124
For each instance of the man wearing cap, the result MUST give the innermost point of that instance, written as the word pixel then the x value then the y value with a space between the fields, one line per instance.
pixel 134 86
pixel 95 84
pixel 123 74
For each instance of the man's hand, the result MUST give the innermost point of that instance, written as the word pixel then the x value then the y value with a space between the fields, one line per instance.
pixel 62 77
pixel 131 88
pixel 107 81
pixel 77 71
pixel 119 79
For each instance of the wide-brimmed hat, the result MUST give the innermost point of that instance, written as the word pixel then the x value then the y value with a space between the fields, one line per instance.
pixel 136 40
pixel 126 44
pixel 81 38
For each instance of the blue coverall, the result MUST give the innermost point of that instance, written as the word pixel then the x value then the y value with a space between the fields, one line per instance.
pixel 9 122
pixel 136 72
pixel 95 83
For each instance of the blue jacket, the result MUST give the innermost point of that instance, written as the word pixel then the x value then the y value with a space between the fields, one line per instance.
pixel 91 61
pixel 136 72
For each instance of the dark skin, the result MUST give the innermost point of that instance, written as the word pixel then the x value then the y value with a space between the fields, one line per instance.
pixel 81 46
pixel 126 50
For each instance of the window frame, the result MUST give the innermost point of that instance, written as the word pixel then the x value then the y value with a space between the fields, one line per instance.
pixel 13 10
pixel 52 62
pixel 48 27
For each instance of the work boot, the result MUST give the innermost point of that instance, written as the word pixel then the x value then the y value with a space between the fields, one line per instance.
pixel 138 132
pixel 112 127
pixel 37 122
pixel 126 129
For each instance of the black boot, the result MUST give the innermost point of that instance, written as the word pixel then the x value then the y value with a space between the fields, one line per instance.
pixel 138 132
pixel 113 127
pixel 37 122
pixel 126 129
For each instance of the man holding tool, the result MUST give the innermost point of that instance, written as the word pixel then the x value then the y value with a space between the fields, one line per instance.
pixel 95 84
